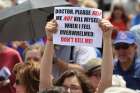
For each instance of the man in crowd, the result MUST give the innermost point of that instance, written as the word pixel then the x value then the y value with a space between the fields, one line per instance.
pixel 127 63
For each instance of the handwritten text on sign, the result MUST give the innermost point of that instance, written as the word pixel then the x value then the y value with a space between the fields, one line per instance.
pixel 78 26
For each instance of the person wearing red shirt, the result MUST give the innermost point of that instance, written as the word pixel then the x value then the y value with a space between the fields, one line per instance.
pixel 119 19
pixel 8 58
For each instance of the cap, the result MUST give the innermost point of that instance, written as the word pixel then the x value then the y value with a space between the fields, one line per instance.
pixel 93 64
pixel 125 37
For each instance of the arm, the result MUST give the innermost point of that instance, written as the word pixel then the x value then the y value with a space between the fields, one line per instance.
pixel 46 62
pixel 107 65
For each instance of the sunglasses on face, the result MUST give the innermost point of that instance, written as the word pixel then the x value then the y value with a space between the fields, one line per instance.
pixel 122 46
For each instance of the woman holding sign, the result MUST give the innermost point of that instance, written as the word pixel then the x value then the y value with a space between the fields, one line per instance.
pixel 71 80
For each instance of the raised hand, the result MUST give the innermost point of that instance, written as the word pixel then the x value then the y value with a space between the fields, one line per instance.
pixel 50 28
pixel 106 27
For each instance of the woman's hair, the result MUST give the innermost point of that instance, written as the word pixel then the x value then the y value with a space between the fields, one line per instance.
pixel 36 46
pixel 124 17
pixel 27 74
pixel 83 80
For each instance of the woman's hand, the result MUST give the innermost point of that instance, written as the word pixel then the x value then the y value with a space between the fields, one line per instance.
pixel 50 28
pixel 106 27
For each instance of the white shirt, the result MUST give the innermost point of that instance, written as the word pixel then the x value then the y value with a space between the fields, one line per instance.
pixel 82 54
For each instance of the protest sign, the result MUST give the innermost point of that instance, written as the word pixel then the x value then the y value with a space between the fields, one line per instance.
pixel 78 26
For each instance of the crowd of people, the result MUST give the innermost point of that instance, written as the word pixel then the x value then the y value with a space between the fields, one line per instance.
pixel 39 66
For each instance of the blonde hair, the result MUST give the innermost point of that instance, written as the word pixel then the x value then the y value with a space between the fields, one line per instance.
pixel 36 46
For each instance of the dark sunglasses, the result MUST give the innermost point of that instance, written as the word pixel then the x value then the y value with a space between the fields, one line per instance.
pixel 122 46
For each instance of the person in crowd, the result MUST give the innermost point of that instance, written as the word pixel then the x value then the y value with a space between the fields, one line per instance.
pixel 46 63
pixel 129 6
pixel 69 57
pixel 8 58
pixel 136 19
pixel 93 71
pixel 75 82
pixel 119 19
pixel 136 31
pixel 33 53
pixel 76 55
pixel 127 63
pixel 20 46
pixel 27 77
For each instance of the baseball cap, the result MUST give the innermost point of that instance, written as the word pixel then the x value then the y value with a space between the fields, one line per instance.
pixel 93 64
pixel 125 37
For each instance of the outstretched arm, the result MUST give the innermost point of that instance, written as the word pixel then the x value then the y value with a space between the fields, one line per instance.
pixel 107 65
pixel 46 62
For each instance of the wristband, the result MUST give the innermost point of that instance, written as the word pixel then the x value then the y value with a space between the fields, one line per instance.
pixel 49 39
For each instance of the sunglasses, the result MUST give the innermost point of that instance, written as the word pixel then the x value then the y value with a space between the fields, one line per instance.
pixel 122 46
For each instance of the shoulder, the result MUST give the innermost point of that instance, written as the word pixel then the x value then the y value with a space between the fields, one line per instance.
pixel 137 67
pixel 12 51
pixel 137 63
pixel 136 17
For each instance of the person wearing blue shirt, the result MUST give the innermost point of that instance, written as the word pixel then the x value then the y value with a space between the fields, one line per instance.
pixel 136 19
pixel 127 63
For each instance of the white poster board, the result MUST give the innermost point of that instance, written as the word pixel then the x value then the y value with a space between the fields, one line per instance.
pixel 78 26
